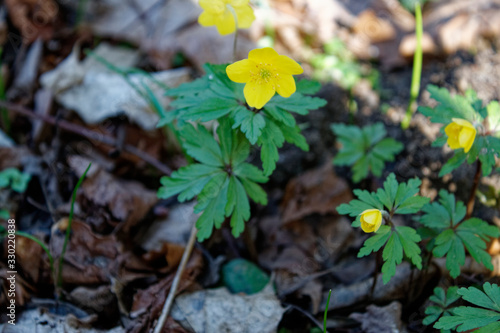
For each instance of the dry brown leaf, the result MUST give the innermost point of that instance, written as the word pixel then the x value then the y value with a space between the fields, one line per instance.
pixel 33 18
pixel 318 191
pixel 386 319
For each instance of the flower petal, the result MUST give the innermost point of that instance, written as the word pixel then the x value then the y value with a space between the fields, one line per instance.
pixel 206 19
pixel 225 23
pixel 213 6
pixel 258 94
pixel 285 85
pixel 239 3
pixel 452 130
pixel 265 54
pixel 245 16
pixel 239 71
pixel 286 65
pixel 466 138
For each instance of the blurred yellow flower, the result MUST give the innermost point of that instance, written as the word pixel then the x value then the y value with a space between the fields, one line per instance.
pixel 461 134
pixel 221 14
pixel 371 220
pixel 264 72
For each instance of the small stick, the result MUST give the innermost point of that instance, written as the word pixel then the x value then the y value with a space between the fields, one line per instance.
pixel 472 197
pixel 171 294
pixel 89 134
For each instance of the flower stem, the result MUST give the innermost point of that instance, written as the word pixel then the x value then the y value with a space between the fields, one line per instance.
pixel 472 197
pixel 235 42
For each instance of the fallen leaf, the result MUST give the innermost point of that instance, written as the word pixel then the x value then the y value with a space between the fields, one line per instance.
pixel 317 191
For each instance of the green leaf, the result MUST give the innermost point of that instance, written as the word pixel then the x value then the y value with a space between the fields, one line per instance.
pixel 392 256
pixel 409 239
pixel 387 149
pixel 243 276
pixel 493 115
pixel 187 181
pixel 18 181
pixel 457 160
pixel 250 123
pixel 212 201
pixel 443 301
pixel 4 215
pixel 485 315
pixel 271 139
pixel 297 103
pixel 292 135
pixel 308 87
pixel 254 191
pixel 201 145
pixel 375 242
pixel 211 108
pixel 366 200
pixel 238 206
pixel 449 107
pixel 280 115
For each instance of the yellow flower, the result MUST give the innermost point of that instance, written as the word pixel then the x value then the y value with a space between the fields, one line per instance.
pixel 371 220
pixel 461 134
pixel 221 14
pixel 264 72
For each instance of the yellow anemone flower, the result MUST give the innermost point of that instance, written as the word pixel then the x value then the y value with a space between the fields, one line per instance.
pixel 371 220
pixel 264 72
pixel 461 134
pixel 221 14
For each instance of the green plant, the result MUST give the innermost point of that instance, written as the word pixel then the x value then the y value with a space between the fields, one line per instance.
pixel 443 300
pixel 450 234
pixel 68 228
pixel 365 149
pixel 396 198
pixel 16 181
pixel 222 181
pixel 326 310
pixel 417 66
pixel 483 317
pixel 485 119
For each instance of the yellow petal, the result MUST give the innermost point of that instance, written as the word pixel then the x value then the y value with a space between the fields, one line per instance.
pixel 265 55
pixel 213 6
pixel 258 94
pixel 466 138
pixel 286 65
pixel 462 122
pixel 371 220
pixel 239 71
pixel 206 19
pixel 238 3
pixel 245 16
pixel 452 130
pixel 367 227
pixel 225 23
pixel 285 85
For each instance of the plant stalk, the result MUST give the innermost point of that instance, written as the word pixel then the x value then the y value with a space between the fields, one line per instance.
pixel 175 284
pixel 472 196
pixel 417 68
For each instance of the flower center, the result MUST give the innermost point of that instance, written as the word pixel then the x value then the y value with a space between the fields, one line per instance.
pixel 263 73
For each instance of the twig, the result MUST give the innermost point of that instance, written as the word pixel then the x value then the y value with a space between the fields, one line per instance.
pixel 89 134
pixel 177 278
pixel 472 197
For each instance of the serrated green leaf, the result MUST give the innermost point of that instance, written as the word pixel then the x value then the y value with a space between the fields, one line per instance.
pixel 192 88
pixel 187 181
pixel 241 212
pixel 297 103
pixel 443 301
pixel 355 207
pixel 412 205
pixel 375 242
pixel 292 135
pixel 374 133
pixel 392 256
pixel 360 169
pixel 409 239
pixel 220 83
pixel 280 115
pixel 254 191
pixel 251 172
pixel 449 107
pixel 250 123
pixel 201 145
pixel 211 109
pixel 271 139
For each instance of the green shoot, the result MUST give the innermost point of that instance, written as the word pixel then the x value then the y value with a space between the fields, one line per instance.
pixel 417 68
pixel 68 228
pixel 39 242
pixel 326 310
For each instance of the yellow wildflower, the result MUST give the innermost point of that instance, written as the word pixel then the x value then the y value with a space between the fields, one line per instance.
pixel 371 220
pixel 264 72
pixel 461 134
pixel 221 14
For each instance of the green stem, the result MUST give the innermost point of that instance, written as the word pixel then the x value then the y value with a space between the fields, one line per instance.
pixel 68 229
pixel 326 310
pixel 417 68
pixel 231 9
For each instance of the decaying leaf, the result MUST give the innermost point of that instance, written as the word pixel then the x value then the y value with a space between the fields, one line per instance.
pixel 386 319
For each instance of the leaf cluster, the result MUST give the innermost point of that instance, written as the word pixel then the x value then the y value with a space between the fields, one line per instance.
pixel 222 180
pixel 469 107
pixel 442 301
pixel 215 96
pixel 396 198
pixel 483 316
pixel 365 149
pixel 451 235
pixel 15 179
